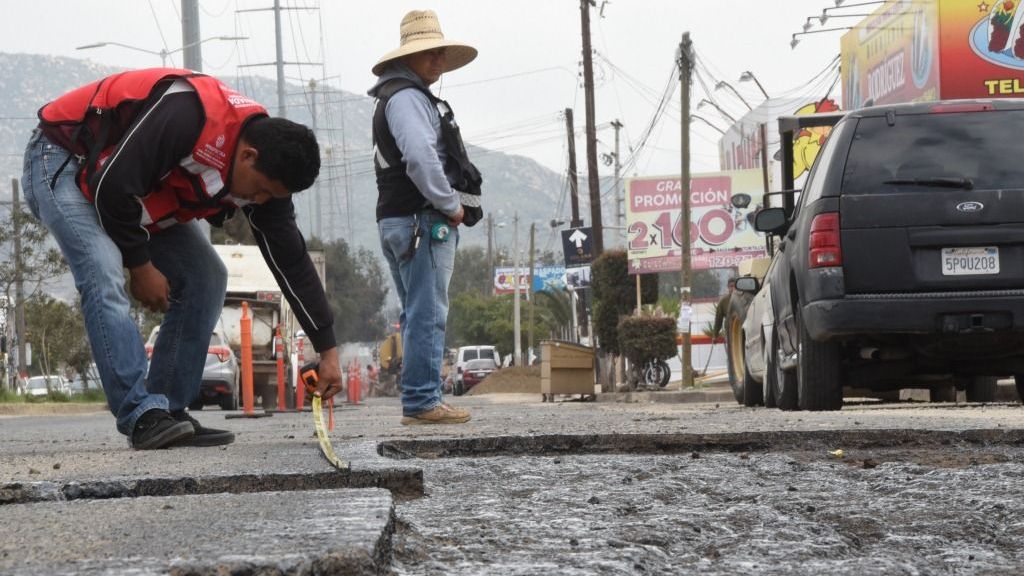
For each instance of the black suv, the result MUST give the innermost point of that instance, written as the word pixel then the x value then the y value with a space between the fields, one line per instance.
pixel 902 263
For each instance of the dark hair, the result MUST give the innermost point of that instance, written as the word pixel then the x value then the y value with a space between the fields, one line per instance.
pixel 288 151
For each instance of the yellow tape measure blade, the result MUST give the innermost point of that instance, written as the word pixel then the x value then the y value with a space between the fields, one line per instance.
pixel 321 434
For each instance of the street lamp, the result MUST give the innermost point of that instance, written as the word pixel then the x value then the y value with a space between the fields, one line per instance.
pixel 840 3
pixel 162 53
pixel 723 84
pixel 825 16
pixel 717 107
pixel 706 121
pixel 748 76
pixel 794 41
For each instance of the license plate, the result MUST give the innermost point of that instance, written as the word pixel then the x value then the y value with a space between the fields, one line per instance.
pixel 970 261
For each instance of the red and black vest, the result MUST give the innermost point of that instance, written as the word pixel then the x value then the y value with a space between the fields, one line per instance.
pixel 90 121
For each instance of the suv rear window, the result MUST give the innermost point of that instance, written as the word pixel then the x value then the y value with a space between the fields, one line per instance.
pixel 976 146
pixel 470 354
pixel 487 353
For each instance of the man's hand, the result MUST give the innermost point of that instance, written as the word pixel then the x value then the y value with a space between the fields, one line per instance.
pixel 149 286
pixel 330 374
pixel 456 219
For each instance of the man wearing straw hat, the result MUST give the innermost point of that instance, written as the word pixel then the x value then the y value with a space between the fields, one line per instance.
pixel 427 187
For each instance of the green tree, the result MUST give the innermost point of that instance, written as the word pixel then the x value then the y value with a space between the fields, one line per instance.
pixel 356 290
pixel 488 320
pixel 57 333
pixel 471 273
pixel 615 295
pixel 39 262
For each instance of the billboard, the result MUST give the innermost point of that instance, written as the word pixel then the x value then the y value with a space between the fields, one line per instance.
pixel 740 146
pixel 981 49
pixel 545 278
pixel 919 50
pixel 893 55
pixel 721 235
pixel 504 278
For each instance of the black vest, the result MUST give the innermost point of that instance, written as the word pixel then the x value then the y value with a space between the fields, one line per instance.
pixel 397 194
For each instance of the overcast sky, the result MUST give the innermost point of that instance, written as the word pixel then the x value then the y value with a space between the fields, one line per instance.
pixel 512 96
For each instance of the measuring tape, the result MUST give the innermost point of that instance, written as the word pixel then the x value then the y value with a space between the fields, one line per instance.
pixel 321 434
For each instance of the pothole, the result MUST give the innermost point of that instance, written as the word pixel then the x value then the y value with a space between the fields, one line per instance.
pixel 403 483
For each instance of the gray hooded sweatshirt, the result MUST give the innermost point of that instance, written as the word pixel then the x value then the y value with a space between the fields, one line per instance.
pixel 416 125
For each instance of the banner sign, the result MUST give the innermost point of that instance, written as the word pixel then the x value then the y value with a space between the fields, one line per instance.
pixel 893 55
pixel 548 278
pixel 545 278
pixel 981 49
pixel 503 278
pixel 721 235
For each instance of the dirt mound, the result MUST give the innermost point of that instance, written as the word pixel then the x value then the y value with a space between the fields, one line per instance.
pixel 515 380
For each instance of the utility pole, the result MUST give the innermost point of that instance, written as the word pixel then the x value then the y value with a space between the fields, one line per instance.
pixel 588 91
pixel 282 110
pixel 685 297
pixel 279 63
pixel 574 185
pixel 192 51
pixel 531 295
pixel 620 200
pixel 314 202
pixel 490 255
pixel 517 328
pixel 764 161
pixel 19 281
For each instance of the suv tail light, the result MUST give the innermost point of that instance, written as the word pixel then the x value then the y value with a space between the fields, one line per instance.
pixel 825 250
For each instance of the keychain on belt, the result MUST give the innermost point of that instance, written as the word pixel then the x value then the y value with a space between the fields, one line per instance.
pixel 439 231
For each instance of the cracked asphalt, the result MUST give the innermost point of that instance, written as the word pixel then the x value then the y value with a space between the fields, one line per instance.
pixel 569 488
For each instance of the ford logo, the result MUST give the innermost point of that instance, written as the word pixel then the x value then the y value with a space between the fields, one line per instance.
pixel 970 207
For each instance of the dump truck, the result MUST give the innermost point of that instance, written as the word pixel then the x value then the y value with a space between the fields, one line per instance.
pixel 250 280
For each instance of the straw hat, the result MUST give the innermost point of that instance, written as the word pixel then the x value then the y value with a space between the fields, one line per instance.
pixel 420 31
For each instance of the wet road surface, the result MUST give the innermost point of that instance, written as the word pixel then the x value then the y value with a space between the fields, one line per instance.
pixel 952 510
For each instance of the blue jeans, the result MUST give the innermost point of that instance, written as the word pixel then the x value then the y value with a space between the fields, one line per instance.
pixel 421 278
pixel 196 276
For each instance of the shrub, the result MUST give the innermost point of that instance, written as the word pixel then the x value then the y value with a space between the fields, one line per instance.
pixel 643 339
pixel 615 295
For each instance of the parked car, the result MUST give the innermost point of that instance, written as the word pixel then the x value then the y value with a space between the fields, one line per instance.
pixel 474 372
pixel 898 266
pixel 77 385
pixel 467 353
pixel 221 373
pixel 43 385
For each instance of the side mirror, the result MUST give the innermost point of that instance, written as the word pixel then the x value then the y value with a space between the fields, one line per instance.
pixel 771 220
pixel 740 200
pixel 747 284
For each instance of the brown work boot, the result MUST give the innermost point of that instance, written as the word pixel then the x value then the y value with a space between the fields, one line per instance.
pixel 440 414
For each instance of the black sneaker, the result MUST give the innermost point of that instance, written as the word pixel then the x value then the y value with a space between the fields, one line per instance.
pixel 204 436
pixel 156 429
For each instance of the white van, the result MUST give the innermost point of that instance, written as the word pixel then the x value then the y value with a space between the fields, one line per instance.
pixel 467 353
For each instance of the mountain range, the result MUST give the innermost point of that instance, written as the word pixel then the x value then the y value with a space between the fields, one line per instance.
pixel 342 203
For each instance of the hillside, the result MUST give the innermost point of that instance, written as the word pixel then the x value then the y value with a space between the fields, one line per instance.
pixel 510 182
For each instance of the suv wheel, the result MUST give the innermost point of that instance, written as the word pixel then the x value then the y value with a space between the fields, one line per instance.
pixel 818 373
pixel 982 389
pixel 228 402
pixel 784 391
pixel 735 362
